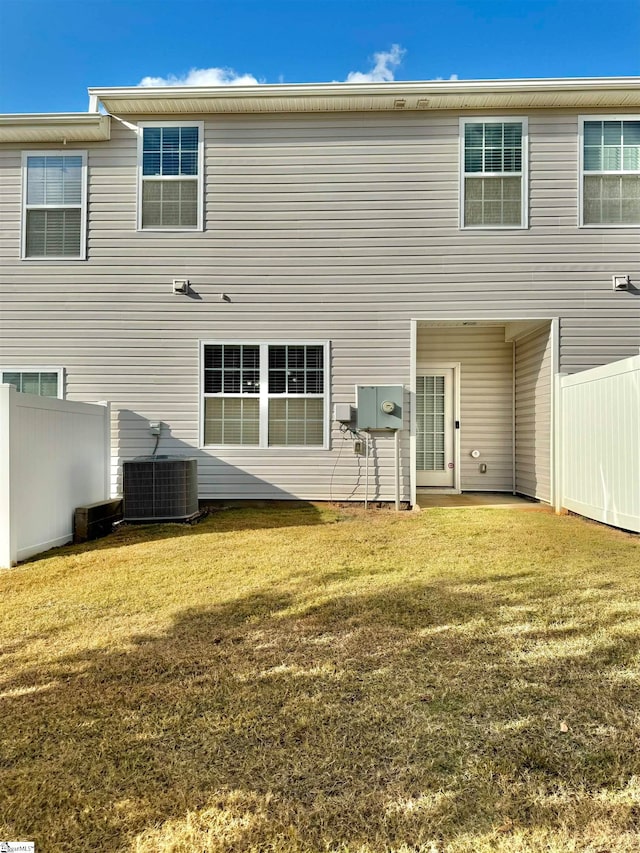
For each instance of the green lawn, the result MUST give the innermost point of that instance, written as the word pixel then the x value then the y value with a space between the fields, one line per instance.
pixel 314 678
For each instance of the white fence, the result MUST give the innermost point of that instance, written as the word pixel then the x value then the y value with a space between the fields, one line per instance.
pixel 599 443
pixel 54 457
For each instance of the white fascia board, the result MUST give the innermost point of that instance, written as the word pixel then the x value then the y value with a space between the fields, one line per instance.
pixel 398 96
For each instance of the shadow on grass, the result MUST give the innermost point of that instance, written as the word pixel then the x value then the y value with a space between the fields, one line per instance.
pixel 386 719
pixel 223 517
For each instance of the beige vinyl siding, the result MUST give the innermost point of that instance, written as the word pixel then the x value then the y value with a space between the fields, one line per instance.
pixel 339 227
pixel 533 415
pixel 486 398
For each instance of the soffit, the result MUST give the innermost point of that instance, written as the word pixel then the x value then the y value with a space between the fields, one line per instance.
pixel 513 329
pixel 55 127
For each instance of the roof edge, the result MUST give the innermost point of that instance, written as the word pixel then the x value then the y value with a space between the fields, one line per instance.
pixel 589 92
pixel 277 90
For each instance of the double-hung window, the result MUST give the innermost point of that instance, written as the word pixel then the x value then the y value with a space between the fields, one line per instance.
pixel 54 198
pixel 44 381
pixel 265 394
pixel 170 169
pixel 610 160
pixel 493 173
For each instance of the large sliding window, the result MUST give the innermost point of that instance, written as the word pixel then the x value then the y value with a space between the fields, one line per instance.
pixel 170 176
pixel 54 205
pixel 493 184
pixel 610 158
pixel 265 395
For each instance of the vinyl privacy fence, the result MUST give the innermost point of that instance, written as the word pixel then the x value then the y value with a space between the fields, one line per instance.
pixel 599 443
pixel 54 457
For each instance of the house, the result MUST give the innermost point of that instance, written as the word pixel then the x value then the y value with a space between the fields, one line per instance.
pixel 230 263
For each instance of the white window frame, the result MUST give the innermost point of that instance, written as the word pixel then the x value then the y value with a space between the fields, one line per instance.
pixel 199 179
pixel 67 152
pixel 264 396
pixel 524 172
pixel 37 368
pixel 582 173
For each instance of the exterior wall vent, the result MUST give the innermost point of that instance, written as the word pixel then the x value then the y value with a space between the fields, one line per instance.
pixel 160 488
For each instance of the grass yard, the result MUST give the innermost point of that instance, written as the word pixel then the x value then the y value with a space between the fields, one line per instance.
pixel 291 678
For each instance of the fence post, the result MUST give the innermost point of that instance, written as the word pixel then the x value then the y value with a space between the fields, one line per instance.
pixel 8 540
pixel 106 438
pixel 558 446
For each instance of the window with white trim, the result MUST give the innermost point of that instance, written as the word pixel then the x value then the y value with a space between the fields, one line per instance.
pixel 493 173
pixel 264 395
pixel 610 171
pixel 45 381
pixel 171 176
pixel 54 205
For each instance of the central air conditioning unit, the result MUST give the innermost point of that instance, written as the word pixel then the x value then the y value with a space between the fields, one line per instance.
pixel 160 488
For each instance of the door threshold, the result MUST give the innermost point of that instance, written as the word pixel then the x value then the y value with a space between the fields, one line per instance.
pixel 437 490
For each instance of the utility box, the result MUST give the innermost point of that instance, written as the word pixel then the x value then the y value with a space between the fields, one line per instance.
pixel 343 412
pixel 379 406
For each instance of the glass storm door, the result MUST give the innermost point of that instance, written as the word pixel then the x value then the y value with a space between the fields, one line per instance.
pixel 434 429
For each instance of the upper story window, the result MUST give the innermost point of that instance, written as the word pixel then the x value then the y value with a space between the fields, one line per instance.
pixel 46 381
pixel 171 176
pixel 54 205
pixel 493 169
pixel 610 154
pixel 265 395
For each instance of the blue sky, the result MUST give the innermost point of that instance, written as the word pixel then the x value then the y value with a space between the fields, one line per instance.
pixel 52 50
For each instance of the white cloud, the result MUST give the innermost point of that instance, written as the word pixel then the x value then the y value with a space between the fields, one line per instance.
pixel 203 77
pixel 382 71
pixel 452 77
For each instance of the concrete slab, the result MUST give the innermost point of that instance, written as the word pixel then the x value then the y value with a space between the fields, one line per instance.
pixel 427 500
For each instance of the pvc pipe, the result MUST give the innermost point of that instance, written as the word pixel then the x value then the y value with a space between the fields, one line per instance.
pixel 397 472
pixel 366 477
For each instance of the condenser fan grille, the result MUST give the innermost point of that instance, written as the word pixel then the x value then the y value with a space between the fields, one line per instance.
pixel 160 489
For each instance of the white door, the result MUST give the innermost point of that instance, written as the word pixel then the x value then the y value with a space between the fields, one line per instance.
pixel 435 426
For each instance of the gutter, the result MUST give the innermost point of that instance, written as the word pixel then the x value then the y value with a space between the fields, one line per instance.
pixel 435 87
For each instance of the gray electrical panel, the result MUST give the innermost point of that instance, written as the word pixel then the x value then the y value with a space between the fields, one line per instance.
pixel 379 406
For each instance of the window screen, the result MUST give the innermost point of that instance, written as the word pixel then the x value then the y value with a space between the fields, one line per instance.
pixel 170 170
pixel 493 174
pixel 611 159
pixel 270 395
pixel 54 209
pixel 41 382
